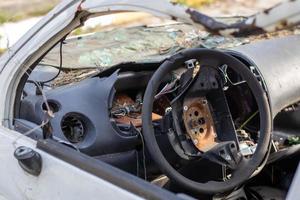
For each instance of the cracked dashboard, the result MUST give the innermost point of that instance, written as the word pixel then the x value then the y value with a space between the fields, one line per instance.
pixel 101 116
pixel 95 115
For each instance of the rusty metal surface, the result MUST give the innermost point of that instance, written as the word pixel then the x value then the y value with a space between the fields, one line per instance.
pixel 135 121
pixel 199 123
pixel 135 118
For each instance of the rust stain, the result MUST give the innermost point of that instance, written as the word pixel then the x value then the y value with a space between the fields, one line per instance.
pixel 122 100
pixel 137 122
pixel 199 123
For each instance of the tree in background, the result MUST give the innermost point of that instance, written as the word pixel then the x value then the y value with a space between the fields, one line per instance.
pixel 194 3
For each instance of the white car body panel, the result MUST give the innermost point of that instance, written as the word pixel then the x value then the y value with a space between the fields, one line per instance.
pixel 58 179
pixel 158 8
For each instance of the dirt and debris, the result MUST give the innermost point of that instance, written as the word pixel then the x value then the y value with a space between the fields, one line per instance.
pixel 125 110
pixel 276 34
pixel 72 76
pixel 105 49
pixel 86 56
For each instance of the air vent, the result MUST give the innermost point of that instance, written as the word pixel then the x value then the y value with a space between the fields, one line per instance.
pixel 73 128
pixel 53 106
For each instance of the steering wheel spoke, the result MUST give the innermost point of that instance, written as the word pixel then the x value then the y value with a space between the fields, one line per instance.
pixel 212 122
pixel 204 111
pixel 225 154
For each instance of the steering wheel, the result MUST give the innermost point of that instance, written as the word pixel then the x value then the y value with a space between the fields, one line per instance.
pixel 208 88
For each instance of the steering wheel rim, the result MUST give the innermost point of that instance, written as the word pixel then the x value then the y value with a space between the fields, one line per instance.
pixel 211 58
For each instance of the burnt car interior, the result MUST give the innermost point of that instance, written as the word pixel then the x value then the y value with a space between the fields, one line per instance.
pixel 199 122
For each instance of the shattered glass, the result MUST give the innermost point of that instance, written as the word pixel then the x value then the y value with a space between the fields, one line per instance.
pixel 145 43
pixel 105 49
pixel 86 55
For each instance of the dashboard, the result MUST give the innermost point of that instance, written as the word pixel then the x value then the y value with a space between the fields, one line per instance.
pixel 102 116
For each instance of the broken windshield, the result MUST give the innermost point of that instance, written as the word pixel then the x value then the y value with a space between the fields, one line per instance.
pixel 102 49
pixel 108 43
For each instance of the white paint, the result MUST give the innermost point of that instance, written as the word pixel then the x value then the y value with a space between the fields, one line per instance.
pixel 288 12
pixel 58 179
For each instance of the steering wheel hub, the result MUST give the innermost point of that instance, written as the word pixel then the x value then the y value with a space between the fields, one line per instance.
pixel 198 123
pixel 203 109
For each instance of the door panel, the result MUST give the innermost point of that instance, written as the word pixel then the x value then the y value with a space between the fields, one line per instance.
pixel 58 179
